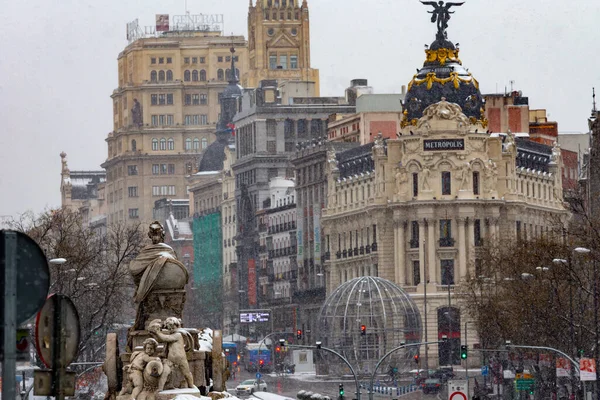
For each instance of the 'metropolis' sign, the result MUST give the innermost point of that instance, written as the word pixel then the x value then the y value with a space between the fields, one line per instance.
pixel 443 144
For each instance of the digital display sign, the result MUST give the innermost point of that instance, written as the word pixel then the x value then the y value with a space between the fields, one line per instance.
pixel 251 317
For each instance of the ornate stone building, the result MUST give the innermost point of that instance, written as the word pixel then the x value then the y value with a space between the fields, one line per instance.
pixel 417 209
pixel 166 107
pixel 279 43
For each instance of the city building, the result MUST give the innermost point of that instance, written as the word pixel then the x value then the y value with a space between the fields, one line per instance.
pixel 267 132
pixel 166 107
pixel 279 43
pixel 417 209
pixel 83 192
pixel 310 165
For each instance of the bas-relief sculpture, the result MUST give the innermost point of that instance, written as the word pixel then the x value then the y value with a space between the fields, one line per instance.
pixel 464 176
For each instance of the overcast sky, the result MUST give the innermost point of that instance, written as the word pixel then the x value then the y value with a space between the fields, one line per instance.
pixel 58 67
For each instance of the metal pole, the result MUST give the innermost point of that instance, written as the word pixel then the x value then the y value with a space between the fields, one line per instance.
pixel 596 350
pixel 9 315
pixel 466 360
pixel 425 281
pixel 386 356
pixel 340 356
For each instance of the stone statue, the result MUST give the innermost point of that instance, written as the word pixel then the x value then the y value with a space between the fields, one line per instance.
pixel 332 160
pixel 136 113
pixel 491 176
pixel 425 173
pixel 156 268
pixel 401 179
pixel 133 373
pixel 510 145
pixel 555 153
pixel 177 340
pixel 441 15
pixel 464 176
pixel 442 110
pixel 379 145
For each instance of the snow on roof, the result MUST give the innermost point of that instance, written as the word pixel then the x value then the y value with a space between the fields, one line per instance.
pixel 206 173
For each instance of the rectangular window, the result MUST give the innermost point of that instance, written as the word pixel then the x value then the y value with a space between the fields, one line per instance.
pixel 155 190
pixel 186 60
pixel 415 184
pixel 155 120
pixel 153 60
pixel 447 270
pixel 271 127
pixel 194 60
pixel 475 182
pixel 192 119
pixel 203 119
pixel 132 170
pixel 220 59
pixel 188 99
pixel 202 60
pixel 283 61
pixel 293 62
pixel 273 61
pixel 446 183
pixel 133 213
pixel 195 99
pixel 155 169
pixel 132 191
pixel 169 60
pixel 171 169
pixel 477 232
pixel 518 230
pixel 170 98
pixel 446 233
pixel 162 99
pixel 163 169
pixel 154 99
pixel 203 99
pixel 416 272
pixel 414 235
pixel 171 190
pixel 161 60
pixel 228 58
pixel 271 146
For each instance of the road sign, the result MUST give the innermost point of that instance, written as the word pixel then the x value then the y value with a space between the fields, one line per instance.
pixel 33 277
pixel 58 309
pixel 485 370
pixel 525 384
pixel 457 390
pixel 258 375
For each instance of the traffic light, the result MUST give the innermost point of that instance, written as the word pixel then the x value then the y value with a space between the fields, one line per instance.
pixel 299 334
pixel 464 352
pixel 416 358
pixel 341 390
pixel 278 349
pixel 363 330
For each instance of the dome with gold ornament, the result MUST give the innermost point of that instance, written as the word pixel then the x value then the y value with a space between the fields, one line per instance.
pixel 443 76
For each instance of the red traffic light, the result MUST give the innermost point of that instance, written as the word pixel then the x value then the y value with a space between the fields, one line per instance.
pixel 261 362
pixel 278 349
pixel 299 334
pixel 363 330
pixel 416 357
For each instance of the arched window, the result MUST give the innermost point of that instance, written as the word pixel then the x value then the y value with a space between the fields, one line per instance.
pixel 155 144
pixel 163 144
pixel 133 145
pixel 196 144
pixel 169 76
pixel 170 144
pixel 161 76
pixel 194 76
pixel 188 144
pixel 204 143
pixel 153 76
pixel 220 75
pixel 202 75
pixel 186 75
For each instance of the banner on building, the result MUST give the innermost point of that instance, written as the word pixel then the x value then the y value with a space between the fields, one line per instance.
pixel 587 369
pixel 162 22
pixel 563 367
pixel 317 234
pixel 252 282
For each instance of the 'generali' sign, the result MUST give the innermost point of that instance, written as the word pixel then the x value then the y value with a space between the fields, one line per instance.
pixel 443 144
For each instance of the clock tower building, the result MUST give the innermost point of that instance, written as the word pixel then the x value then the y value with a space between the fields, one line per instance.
pixel 279 43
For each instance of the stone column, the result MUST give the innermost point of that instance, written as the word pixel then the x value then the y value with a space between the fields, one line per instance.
pixel 462 249
pixel 431 259
pixel 471 234
pixel 422 243
pixel 400 253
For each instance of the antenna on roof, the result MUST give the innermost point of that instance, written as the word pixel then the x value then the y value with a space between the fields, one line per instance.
pixel 594 110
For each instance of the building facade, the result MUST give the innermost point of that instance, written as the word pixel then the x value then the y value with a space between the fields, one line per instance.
pixel 417 210
pixel 166 107
pixel 279 43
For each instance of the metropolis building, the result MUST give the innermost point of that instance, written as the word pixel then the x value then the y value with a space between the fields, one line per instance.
pixel 417 209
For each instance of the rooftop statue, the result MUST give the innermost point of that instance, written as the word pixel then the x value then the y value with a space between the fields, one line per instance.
pixel 441 13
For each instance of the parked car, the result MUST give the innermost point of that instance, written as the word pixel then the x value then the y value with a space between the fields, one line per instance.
pixel 443 373
pixel 431 385
pixel 250 386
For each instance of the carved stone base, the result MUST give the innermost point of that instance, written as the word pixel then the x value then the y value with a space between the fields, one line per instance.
pixel 160 304
pixel 171 394
pixel 426 195
pixel 465 194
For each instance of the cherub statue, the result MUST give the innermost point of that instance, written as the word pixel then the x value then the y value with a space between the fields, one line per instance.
pixel 134 372
pixel 177 341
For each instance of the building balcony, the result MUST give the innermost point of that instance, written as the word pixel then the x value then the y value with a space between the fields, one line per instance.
pixel 374 247
pixel 338 254
pixel 355 251
pixel 345 253
pixel 446 242
pixel 368 249
pixel 361 250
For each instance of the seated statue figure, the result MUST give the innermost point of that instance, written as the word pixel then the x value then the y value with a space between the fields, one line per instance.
pixel 156 268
